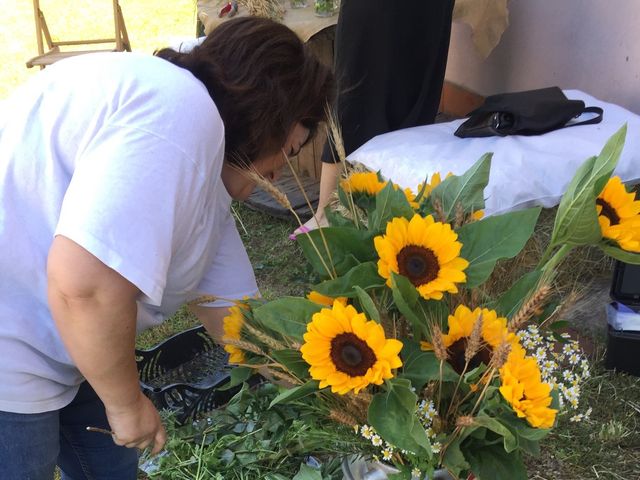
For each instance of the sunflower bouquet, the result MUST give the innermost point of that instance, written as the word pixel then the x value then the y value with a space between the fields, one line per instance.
pixel 407 340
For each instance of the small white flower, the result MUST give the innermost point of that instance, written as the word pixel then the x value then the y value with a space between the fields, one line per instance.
pixel 415 472
pixel 367 432
pixel 387 454
pixel 376 440
pixel 436 447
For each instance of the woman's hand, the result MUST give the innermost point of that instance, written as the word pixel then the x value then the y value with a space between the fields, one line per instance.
pixel 137 425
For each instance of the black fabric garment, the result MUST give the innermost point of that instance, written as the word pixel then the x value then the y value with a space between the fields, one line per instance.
pixel 390 60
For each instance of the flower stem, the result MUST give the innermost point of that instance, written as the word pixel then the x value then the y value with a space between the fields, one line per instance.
pixel 555 260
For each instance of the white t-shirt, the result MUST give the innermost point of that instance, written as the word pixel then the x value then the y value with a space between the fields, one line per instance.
pixel 121 153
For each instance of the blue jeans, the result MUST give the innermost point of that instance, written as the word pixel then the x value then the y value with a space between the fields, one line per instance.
pixel 31 445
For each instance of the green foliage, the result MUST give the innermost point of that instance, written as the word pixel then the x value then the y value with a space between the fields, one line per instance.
pixel 494 238
pixel 619 254
pixel 295 393
pixel 364 275
pixel 391 202
pixel 510 301
pixel 247 440
pixel 292 360
pixel 288 316
pixel 466 190
pixel 420 367
pixel 405 297
pixel 367 304
pixel 577 220
pixel 392 414
pixel 346 248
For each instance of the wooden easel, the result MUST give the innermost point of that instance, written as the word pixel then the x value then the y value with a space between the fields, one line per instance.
pixel 120 40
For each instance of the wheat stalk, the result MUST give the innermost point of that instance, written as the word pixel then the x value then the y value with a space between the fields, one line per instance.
pixel 342 417
pixel 528 309
pixel 475 340
pixel 243 345
pixel 334 132
pixel 280 197
pixel 438 210
pixel 437 340
pixel 284 376
pixel 263 337
pixel 313 212
pixel 500 354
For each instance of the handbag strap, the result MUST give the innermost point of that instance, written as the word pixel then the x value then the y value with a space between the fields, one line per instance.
pixel 591 121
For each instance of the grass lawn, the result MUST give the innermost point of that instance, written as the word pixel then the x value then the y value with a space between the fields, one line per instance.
pixel 606 447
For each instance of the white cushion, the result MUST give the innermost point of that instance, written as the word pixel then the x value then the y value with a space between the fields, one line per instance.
pixel 525 170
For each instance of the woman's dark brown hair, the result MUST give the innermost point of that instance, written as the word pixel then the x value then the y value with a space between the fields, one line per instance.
pixel 263 80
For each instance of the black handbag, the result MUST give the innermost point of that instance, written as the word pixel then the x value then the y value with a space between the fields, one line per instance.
pixel 531 112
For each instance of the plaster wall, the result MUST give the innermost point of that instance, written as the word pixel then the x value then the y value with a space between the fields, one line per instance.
pixel 590 45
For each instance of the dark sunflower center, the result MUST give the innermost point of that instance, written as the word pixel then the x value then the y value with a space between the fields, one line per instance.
pixel 418 264
pixel 456 356
pixel 608 211
pixel 351 355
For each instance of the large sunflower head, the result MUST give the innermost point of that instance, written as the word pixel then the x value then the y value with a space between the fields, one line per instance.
pixel 348 352
pixel 522 387
pixel 423 250
pixel 232 326
pixel 460 326
pixel 366 183
pixel 619 215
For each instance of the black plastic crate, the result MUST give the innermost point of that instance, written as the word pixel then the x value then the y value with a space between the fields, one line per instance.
pixel 184 372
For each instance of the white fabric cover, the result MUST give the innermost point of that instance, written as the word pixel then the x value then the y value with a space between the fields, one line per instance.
pixel 525 170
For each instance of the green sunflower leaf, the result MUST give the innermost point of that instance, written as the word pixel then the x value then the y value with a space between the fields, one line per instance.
pixel 405 297
pixel 292 359
pixel 364 275
pixel 486 241
pixel 454 460
pixel 390 203
pixel 576 221
pixel 466 190
pixel 288 315
pixel 238 376
pixel 336 219
pixel 392 413
pixel 619 254
pixel 511 301
pixel 420 367
pixel 344 245
pixel 490 423
pixel 367 304
pixel 490 461
pixel 296 393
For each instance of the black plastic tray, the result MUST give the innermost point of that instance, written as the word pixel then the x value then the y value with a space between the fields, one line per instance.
pixel 183 374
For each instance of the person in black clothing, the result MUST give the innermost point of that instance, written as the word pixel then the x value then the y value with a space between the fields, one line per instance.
pixel 390 60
